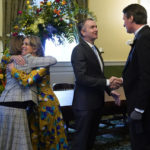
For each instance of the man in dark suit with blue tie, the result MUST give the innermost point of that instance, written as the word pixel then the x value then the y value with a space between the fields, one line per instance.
pixel 90 85
pixel 136 77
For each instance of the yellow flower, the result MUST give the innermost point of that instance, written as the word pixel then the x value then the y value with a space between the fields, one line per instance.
pixel 16 27
pixel 1 76
pixel 28 2
pixel 29 6
pixel 40 21
pixel 34 26
pixel 70 25
pixel 41 3
pixel 63 2
pixel 55 20
pixel 49 3
pixel 27 28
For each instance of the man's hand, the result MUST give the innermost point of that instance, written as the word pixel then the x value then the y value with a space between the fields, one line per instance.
pixel 18 59
pixel 116 97
pixel 115 82
pixel 136 115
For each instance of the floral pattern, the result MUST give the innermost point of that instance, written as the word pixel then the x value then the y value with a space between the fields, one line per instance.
pixel 49 127
pixel 5 60
pixel 53 18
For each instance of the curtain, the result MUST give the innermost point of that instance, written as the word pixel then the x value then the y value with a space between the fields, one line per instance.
pixel 10 12
pixel 83 4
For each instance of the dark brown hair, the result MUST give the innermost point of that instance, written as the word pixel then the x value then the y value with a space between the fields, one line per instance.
pixel 138 12
pixel 16 45
pixel 81 25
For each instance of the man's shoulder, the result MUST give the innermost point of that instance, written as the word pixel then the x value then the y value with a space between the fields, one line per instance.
pixel 145 31
pixel 79 49
pixel 82 45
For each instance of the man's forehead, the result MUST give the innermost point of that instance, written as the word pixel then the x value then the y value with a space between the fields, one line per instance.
pixel 90 22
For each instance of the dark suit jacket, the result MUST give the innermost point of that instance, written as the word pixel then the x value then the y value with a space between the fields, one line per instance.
pixel 136 74
pixel 90 81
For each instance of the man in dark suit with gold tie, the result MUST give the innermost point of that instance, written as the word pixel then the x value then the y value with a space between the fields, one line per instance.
pixel 90 85
pixel 136 77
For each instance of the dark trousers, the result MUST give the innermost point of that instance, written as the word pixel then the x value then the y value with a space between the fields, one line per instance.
pixel 140 134
pixel 87 122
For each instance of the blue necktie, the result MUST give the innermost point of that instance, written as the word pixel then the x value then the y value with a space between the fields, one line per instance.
pixel 98 57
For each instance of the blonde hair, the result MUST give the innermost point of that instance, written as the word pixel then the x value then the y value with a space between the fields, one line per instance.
pixel 35 43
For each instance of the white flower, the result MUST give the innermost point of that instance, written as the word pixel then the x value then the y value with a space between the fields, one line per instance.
pixel 129 42
pixel 101 50
pixel 8 35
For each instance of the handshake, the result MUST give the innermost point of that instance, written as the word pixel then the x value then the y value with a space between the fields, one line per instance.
pixel 115 82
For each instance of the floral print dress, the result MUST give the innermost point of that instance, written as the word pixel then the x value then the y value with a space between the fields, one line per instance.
pixel 47 127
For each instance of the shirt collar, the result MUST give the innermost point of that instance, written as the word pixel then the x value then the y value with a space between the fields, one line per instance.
pixel 91 45
pixel 137 31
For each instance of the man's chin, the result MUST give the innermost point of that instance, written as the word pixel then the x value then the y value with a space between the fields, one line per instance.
pixel 95 38
pixel 128 31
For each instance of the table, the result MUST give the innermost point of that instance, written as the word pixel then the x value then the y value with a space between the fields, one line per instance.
pixel 65 98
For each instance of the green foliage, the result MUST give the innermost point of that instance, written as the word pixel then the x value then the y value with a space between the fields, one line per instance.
pixel 57 18
pixel 3 72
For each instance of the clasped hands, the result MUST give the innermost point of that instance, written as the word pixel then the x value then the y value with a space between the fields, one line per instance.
pixel 115 82
pixel 18 59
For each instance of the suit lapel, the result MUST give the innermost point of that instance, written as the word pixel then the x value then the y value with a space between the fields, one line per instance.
pixel 90 53
pixel 100 56
pixel 143 30
pixel 130 54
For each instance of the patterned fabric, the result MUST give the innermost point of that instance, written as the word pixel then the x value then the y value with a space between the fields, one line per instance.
pixel 20 93
pixel 47 130
pixel 14 130
pixel 5 60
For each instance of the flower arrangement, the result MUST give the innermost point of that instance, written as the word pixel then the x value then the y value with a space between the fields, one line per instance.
pixel 3 73
pixel 51 18
pixel 2 78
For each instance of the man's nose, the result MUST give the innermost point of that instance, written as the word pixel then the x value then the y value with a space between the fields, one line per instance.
pixel 96 29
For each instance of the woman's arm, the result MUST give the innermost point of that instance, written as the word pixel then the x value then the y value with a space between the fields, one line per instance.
pixel 6 59
pixel 27 79
pixel 40 61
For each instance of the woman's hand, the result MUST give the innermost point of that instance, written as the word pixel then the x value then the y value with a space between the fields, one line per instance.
pixel 10 66
pixel 18 59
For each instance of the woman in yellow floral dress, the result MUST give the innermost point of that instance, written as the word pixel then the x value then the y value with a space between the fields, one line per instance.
pixel 47 127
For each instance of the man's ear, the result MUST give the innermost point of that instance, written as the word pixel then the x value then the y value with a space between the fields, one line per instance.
pixel 82 32
pixel 131 19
